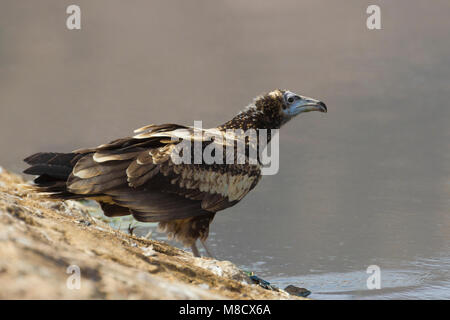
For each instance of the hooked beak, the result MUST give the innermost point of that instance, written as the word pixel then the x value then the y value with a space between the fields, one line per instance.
pixel 309 104
pixel 305 104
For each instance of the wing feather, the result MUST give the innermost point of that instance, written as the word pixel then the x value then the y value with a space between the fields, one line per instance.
pixel 138 173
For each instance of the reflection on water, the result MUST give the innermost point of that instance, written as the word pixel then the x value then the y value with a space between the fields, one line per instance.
pixel 368 183
pixel 412 282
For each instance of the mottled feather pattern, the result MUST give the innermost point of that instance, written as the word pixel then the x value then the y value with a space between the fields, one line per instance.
pixel 108 168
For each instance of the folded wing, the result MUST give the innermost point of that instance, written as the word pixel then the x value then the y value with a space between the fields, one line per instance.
pixel 138 174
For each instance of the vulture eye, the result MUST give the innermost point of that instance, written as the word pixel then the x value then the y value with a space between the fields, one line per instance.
pixel 292 98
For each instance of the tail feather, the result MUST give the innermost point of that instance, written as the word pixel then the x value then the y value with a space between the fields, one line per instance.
pixel 62 159
pixel 50 170
pixel 53 170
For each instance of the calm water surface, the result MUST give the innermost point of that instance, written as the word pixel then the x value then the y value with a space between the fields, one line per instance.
pixel 366 184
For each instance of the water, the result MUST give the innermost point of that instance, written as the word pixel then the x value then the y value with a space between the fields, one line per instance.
pixel 366 184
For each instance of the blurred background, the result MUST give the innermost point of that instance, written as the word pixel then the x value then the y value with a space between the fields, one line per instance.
pixel 368 183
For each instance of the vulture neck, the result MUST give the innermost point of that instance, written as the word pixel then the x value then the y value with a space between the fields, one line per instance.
pixel 252 118
pixel 249 118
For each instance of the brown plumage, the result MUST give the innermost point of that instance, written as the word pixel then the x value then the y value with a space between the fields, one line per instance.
pixel 137 175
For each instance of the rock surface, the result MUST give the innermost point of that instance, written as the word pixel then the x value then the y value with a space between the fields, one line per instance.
pixel 44 243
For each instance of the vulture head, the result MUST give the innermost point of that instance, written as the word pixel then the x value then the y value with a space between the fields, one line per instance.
pixel 280 106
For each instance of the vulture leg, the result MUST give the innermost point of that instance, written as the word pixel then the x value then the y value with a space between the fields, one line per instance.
pixel 195 250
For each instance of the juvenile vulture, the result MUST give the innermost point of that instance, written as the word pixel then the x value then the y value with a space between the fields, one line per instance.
pixel 137 175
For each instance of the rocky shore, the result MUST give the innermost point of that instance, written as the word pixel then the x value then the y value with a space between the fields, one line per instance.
pixel 57 250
